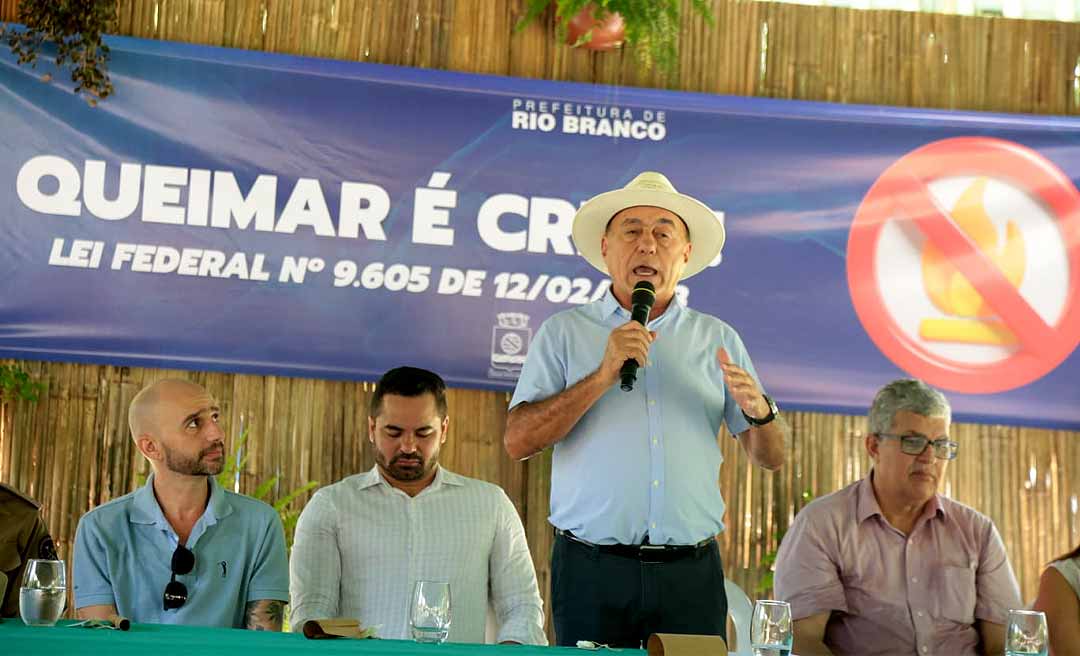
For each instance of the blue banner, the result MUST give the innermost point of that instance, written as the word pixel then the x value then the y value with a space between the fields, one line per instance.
pixel 249 212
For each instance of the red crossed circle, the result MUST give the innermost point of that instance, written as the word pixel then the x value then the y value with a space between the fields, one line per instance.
pixel 901 194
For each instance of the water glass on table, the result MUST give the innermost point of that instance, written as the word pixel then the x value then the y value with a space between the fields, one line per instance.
pixel 1025 634
pixel 43 594
pixel 770 628
pixel 429 615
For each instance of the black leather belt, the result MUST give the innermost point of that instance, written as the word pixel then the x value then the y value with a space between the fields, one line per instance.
pixel 644 552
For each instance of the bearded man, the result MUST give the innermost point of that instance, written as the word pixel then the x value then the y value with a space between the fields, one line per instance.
pixel 363 543
pixel 181 549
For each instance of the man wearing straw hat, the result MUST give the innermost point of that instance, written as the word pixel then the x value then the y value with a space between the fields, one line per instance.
pixel 634 494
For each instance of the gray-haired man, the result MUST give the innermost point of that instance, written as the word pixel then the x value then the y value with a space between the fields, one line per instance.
pixel 887 565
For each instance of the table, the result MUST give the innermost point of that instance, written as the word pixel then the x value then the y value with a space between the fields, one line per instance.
pixel 17 639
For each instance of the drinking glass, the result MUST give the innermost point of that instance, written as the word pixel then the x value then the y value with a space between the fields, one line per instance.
pixel 1025 634
pixel 429 615
pixel 43 594
pixel 770 628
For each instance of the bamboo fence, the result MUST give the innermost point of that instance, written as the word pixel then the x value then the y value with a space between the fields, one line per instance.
pixel 71 450
pixel 911 59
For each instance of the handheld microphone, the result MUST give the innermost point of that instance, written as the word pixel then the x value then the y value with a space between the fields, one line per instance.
pixel 641 302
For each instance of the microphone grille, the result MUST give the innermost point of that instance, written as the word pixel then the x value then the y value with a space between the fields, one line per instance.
pixel 644 293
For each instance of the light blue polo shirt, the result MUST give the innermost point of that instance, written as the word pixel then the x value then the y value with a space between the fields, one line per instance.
pixel 123 551
pixel 645 462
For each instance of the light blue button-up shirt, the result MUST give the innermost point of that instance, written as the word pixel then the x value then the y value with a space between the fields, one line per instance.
pixel 643 463
pixel 123 551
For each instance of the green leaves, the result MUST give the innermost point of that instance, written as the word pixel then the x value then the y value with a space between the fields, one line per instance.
pixel 289 517
pixel 265 490
pixel 16 384
pixel 768 561
pixel 74 28
pixel 651 25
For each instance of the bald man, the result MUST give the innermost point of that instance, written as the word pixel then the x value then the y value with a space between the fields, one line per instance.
pixel 181 549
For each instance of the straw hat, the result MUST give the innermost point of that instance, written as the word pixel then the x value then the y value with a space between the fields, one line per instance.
pixel 649 188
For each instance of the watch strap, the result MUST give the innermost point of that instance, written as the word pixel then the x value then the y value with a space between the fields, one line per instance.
pixel 773 410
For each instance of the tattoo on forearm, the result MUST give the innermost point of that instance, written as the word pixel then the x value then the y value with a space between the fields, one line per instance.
pixel 265 615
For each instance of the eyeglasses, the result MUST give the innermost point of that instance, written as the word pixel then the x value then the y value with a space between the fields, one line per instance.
pixel 183 561
pixel 914 445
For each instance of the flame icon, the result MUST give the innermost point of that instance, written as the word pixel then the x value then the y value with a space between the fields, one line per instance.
pixel 971 319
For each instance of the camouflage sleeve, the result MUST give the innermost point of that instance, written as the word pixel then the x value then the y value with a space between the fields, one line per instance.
pixel 33 541
pixel 40 545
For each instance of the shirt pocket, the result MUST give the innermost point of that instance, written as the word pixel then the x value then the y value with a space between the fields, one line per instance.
pixel 956 595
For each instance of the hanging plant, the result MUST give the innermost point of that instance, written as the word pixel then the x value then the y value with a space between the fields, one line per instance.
pixel 652 26
pixel 76 28
pixel 592 32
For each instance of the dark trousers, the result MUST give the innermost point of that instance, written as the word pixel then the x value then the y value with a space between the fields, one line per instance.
pixel 619 601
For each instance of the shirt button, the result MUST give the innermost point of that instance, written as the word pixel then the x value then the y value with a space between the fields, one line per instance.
pixel 914 579
pixel 655 441
pixel 924 649
pixel 652 401
pixel 918 614
pixel 656 483
pixel 653 525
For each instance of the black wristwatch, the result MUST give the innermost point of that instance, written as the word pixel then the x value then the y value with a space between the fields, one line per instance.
pixel 773 411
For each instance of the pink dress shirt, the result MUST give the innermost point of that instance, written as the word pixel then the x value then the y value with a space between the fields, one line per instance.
pixel 891 593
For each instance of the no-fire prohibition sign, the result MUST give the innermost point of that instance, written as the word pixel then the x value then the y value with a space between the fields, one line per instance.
pixel 998 317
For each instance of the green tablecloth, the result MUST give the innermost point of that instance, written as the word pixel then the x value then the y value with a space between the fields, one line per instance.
pixel 16 639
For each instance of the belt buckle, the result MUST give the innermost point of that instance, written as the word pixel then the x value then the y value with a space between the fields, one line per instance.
pixel 645 551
